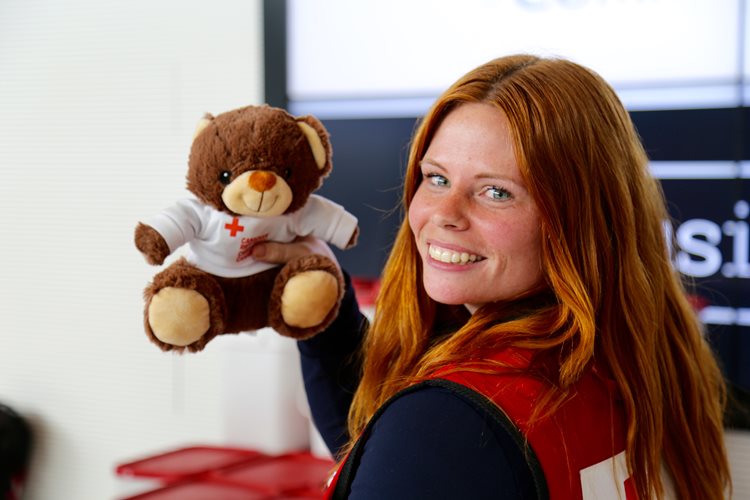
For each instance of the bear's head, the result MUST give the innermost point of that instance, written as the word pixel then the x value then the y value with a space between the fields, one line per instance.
pixel 258 161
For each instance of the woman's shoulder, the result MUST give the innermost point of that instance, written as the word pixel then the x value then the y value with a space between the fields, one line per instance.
pixel 432 442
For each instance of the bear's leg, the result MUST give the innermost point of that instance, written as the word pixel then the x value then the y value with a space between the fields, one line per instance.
pixel 247 300
pixel 184 308
pixel 306 297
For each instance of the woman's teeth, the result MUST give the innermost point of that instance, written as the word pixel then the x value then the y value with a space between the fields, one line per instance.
pixel 451 257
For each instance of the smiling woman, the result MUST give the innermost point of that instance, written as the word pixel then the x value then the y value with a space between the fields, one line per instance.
pixel 531 338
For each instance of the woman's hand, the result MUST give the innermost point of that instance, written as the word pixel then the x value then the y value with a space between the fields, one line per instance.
pixel 281 253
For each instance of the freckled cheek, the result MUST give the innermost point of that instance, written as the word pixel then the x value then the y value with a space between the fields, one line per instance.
pixel 417 215
pixel 519 240
pixel 530 251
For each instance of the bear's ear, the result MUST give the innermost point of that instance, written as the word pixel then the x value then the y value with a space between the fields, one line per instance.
pixel 317 137
pixel 202 124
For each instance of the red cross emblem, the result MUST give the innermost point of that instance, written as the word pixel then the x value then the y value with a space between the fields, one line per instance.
pixel 234 227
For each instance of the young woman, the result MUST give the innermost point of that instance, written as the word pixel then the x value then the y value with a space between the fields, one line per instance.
pixel 531 338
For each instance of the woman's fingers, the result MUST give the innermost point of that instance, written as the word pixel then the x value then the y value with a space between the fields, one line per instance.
pixel 280 253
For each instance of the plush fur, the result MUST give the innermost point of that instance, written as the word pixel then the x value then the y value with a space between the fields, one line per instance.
pixel 297 152
pixel 256 138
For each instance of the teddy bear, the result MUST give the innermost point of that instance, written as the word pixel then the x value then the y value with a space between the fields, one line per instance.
pixel 252 172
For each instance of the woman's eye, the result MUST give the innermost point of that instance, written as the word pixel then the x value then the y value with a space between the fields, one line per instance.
pixel 437 180
pixel 497 193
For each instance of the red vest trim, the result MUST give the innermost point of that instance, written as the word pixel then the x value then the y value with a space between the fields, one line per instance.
pixel 577 453
pixel 581 446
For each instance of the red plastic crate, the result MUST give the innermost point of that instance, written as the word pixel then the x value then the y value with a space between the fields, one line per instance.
pixel 201 490
pixel 186 463
pixel 301 495
pixel 366 290
pixel 299 475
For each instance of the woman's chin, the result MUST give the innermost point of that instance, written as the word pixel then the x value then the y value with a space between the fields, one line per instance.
pixel 448 296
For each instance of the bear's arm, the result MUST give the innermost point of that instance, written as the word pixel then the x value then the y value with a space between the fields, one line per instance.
pixel 151 244
pixel 328 221
pixel 176 225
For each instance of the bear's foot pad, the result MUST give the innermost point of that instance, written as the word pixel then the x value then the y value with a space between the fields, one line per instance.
pixel 308 297
pixel 178 316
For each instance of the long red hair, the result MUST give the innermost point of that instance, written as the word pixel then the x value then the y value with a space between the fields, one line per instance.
pixel 605 261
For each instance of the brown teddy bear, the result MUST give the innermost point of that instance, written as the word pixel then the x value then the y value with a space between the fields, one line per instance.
pixel 253 171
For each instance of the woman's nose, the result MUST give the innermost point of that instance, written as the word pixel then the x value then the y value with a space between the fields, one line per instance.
pixel 450 213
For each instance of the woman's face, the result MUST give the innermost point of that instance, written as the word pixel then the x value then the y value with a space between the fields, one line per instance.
pixel 476 226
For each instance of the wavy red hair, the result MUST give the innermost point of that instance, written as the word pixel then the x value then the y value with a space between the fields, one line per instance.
pixel 605 261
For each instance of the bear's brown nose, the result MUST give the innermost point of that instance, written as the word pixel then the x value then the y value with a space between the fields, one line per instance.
pixel 262 181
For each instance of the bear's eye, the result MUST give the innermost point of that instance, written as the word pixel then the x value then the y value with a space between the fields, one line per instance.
pixel 225 177
pixel 287 173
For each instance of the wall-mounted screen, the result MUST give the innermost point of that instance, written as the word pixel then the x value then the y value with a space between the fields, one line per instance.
pixel 371 68
pixel 656 53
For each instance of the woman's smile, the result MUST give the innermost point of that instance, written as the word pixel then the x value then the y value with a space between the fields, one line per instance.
pixel 446 255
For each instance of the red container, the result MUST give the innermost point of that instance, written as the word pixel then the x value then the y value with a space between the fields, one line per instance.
pixel 298 475
pixel 201 491
pixel 187 463
pixel 366 290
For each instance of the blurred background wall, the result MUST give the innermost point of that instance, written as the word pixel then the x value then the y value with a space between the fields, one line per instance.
pixel 98 103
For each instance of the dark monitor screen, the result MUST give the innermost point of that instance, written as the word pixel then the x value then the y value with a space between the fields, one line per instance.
pixel 699 152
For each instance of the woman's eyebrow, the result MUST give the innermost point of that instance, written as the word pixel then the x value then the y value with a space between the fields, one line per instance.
pixel 494 176
pixel 431 163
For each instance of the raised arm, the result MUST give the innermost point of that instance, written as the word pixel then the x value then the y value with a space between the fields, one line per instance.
pixel 330 360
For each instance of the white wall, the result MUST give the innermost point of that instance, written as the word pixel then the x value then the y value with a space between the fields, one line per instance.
pixel 98 101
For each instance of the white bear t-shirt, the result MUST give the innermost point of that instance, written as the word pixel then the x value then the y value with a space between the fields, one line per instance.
pixel 221 244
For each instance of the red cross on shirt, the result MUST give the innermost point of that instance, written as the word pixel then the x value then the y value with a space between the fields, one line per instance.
pixel 234 227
